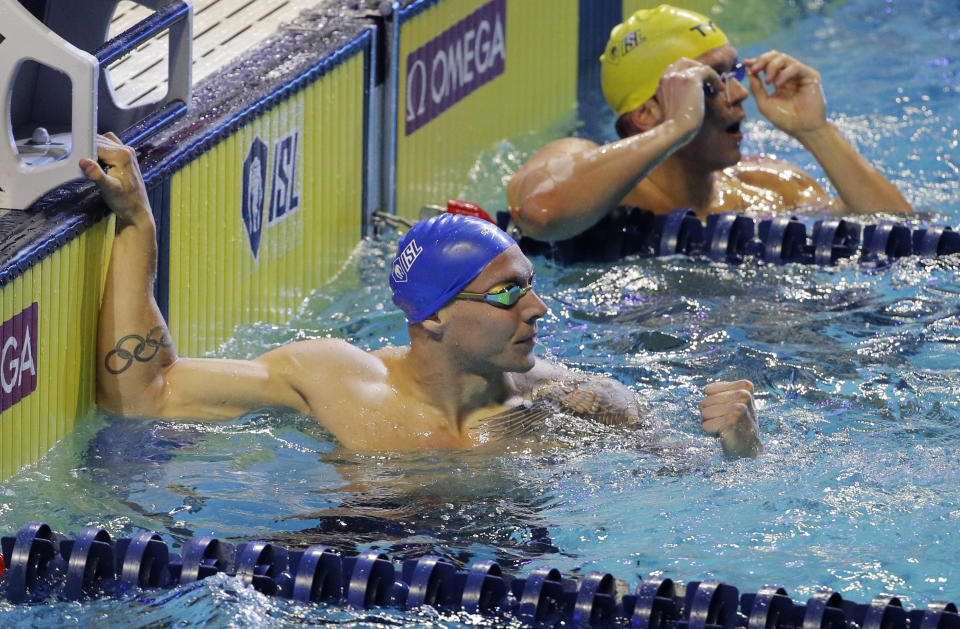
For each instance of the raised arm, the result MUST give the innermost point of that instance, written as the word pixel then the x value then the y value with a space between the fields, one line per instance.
pixel 797 107
pixel 138 370
pixel 572 183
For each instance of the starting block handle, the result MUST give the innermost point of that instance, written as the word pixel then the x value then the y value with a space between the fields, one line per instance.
pixel 24 38
pixel 175 16
pixel 93 102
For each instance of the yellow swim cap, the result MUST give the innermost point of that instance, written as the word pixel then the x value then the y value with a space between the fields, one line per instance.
pixel 641 48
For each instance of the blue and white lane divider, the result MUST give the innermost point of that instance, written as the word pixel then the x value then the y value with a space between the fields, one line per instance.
pixel 43 565
pixel 733 237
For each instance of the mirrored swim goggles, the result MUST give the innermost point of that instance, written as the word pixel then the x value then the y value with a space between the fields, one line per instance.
pixel 501 298
pixel 739 72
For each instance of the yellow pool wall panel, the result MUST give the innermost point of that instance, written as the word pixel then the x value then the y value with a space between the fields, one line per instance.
pixel 215 280
pixel 66 288
pixel 537 88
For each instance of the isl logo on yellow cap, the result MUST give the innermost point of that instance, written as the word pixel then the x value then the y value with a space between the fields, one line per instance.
pixel 641 48
pixel 620 48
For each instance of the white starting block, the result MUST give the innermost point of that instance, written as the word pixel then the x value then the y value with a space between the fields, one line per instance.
pixel 44 144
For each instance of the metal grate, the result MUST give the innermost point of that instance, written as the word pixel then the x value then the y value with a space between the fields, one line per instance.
pixel 222 30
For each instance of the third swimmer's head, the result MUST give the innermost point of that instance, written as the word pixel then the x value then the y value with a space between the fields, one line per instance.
pixel 438 257
pixel 641 48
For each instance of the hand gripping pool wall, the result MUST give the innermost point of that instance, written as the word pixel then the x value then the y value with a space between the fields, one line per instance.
pixel 53 256
pixel 470 73
pixel 241 250
pixel 42 564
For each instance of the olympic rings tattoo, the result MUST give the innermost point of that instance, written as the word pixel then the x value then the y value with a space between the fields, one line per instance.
pixel 138 352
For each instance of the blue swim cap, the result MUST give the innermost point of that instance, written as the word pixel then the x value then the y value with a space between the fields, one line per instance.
pixel 438 257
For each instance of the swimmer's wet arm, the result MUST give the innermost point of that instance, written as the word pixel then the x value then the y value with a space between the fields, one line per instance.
pixel 310 377
pixel 572 183
pixel 133 343
pixel 216 388
pixel 859 185
pixel 797 107
pixel 728 411
pixel 138 370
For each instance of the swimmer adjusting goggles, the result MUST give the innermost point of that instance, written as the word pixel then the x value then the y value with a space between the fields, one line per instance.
pixel 501 298
pixel 739 72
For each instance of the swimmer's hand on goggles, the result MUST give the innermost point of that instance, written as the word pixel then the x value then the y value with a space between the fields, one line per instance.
pixel 502 297
pixel 738 72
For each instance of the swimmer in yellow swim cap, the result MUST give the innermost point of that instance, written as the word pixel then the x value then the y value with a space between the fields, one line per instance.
pixel 678 86
pixel 641 49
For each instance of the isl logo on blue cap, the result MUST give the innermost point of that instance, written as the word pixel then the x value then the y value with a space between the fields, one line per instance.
pixel 409 255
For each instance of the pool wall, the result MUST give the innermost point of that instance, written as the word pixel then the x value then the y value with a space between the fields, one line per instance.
pixel 49 313
pixel 245 231
pixel 471 73
pixel 222 273
pixel 266 185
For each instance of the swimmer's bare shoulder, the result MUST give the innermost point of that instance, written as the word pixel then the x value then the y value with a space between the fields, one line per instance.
pixel 367 400
pixel 535 170
pixel 327 374
pixel 795 187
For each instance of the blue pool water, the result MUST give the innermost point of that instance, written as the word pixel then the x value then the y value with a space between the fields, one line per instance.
pixel 857 373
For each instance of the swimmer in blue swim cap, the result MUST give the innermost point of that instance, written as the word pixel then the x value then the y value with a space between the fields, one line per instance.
pixel 441 255
pixel 469 378
pixel 678 86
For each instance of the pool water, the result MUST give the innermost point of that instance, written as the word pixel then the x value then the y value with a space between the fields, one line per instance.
pixel 856 368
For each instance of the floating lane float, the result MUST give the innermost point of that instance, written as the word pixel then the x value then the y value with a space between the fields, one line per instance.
pixel 45 565
pixel 734 237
